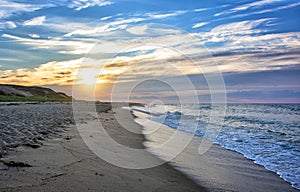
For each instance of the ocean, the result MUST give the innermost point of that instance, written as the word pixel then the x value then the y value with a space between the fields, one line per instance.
pixel 268 134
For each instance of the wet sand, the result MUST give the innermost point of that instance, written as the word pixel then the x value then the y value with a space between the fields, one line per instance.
pixel 218 169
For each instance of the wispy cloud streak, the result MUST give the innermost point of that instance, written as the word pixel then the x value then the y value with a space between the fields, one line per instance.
pixel 35 21
pixel 83 4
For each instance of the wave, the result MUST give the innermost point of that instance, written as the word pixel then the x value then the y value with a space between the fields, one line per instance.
pixel 267 134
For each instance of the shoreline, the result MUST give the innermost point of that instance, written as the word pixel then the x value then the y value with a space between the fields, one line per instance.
pixel 224 169
pixel 66 164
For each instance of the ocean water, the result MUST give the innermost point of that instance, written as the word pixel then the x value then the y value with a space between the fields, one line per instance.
pixel 268 134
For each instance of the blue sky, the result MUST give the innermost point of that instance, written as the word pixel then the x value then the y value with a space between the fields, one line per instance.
pixel 253 44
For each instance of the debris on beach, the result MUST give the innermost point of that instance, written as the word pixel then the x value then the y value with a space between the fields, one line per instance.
pixel 15 163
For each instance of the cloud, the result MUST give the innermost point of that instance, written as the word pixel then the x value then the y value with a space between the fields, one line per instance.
pixel 122 21
pixel 7 24
pixel 83 4
pixel 242 27
pixel 233 31
pixel 8 8
pixel 274 9
pixel 95 30
pixel 200 9
pixel 255 4
pixel 244 7
pixel 35 21
pixel 242 48
pixel 259 3
pixel 58 44
pixel 138 30
pixel 277 8
pixel 34 36
pixel 55 72
pixel 9 59
pixel 65 25
pixel 162 16
pixel 105 18
pixel 118 24
pixel 199 25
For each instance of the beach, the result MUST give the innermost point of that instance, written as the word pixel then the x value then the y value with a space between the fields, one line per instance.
pixel 64 163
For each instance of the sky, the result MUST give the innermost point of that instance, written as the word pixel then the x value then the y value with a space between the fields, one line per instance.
pixel 154 51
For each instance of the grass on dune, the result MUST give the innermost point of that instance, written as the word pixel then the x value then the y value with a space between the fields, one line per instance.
pixel 4 98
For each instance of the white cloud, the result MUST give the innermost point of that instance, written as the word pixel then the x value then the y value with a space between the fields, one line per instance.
pixel 260 3
pixel 105 18
pixel 254 4
pixel 7 24
pixel 247 6
pixel 239 28
pixel 248 49
pixel 11 24
pixel 277 8
pixel 200 9
pixel 69 46
pixel 97 30
pixel 278 41
pixel 9 59
pixel 199 25
pixel 162 16
pixel 138 30
pixel 223 12
pixel 83 4
pixel 118 24
pixel 64 25
pixel 35 21
pixel 7 8
pixel 274 9
pixel 36 36
pixel 126 21
pixel 93 29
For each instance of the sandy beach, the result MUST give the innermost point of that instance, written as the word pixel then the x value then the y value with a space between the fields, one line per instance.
pixel 65 163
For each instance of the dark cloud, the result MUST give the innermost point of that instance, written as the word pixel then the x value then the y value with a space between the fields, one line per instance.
pixel 116 65
pixel 267 78
pixel 20 76
pixel 64 73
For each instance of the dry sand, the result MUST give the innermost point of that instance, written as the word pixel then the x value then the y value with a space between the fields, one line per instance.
pixel 66 164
